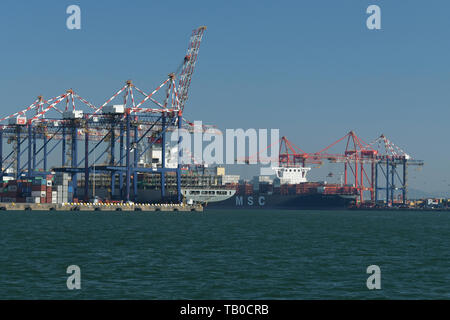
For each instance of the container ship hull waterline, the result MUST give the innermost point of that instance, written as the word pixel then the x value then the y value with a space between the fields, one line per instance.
pixel 275 201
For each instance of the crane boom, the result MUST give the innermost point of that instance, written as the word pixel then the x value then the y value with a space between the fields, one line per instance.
pixel 189 64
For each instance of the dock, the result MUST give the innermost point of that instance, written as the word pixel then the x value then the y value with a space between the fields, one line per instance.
pixel 100 207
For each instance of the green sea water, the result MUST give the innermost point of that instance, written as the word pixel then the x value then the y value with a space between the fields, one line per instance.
pixel 225 254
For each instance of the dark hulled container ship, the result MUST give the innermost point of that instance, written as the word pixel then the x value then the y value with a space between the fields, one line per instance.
pixel 312 200
pixel 289 189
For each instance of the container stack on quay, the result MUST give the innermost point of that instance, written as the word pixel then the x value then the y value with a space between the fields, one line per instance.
pixel 41 189
pixel 64 191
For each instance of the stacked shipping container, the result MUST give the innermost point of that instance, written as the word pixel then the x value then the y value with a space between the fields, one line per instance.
pixel 246 188
pixel 48 189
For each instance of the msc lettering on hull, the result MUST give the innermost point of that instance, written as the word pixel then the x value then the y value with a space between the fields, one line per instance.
pixel 250 201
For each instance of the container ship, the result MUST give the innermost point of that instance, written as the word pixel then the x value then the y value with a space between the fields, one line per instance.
pixel 287 189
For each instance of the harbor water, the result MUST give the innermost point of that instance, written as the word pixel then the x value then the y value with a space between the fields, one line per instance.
pixel 225 254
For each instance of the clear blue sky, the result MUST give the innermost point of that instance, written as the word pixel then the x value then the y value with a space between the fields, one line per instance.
pixel 310 68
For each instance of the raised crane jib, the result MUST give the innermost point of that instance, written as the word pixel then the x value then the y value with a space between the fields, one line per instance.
pixel 184 78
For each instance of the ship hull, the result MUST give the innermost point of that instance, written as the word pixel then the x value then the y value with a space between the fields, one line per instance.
pixel 277 201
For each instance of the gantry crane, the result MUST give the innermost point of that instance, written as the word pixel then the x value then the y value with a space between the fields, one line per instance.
pixel 130 126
